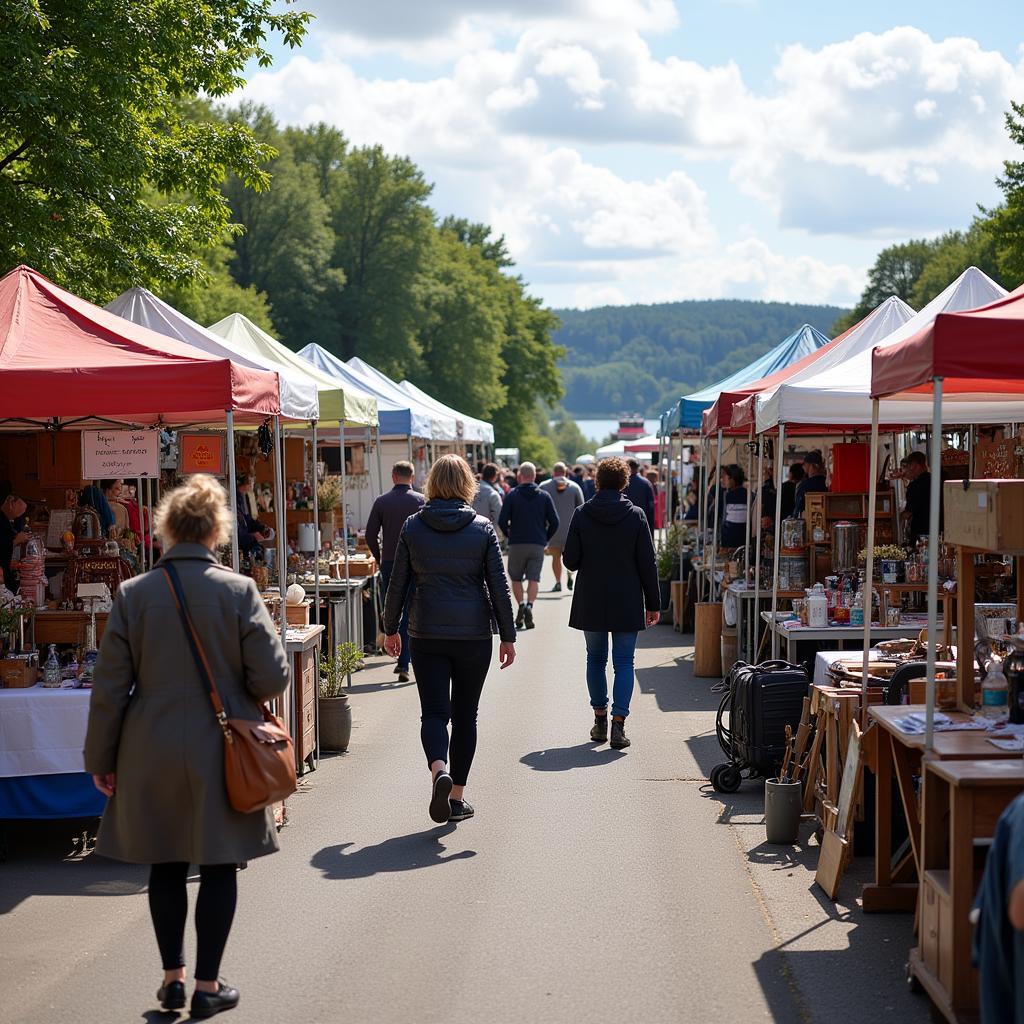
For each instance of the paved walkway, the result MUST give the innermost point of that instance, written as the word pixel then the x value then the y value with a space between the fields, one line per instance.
pixel 592 884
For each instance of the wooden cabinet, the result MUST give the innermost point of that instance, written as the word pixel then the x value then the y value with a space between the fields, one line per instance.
pixel 823 508
pixel 304 656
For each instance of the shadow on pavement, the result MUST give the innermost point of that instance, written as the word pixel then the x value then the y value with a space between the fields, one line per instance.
pixel 564 759
pixel 706 751
pixel 402 853
pixel 41 861
pixel 384 686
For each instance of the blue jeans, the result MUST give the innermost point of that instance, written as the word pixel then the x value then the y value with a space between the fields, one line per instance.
pixel 386 568
pixel 623 649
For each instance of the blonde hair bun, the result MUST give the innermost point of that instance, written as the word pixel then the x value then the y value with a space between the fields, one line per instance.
pixel 196 512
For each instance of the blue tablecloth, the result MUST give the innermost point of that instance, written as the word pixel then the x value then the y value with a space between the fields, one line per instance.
pixel 50 797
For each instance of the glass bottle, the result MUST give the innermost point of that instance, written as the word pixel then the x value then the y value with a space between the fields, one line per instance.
pixel 857 608
pixel 995 693
pixel 51 670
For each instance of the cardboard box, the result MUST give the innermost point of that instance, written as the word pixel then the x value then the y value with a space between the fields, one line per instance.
pixel 988 515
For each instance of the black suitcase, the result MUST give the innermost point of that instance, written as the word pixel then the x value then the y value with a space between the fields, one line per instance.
pixel 761 700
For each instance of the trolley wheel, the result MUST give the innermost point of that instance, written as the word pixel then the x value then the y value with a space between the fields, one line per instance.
pixel 726 778
pixel 913 985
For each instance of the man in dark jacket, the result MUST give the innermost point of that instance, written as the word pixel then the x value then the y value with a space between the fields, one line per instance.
pixel 640 492
pixel 383 528
pixel 617 592
pixel 529 520
pixel 813 482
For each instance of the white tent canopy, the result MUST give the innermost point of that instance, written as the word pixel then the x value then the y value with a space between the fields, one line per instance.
pixel 140 306
pixel 878 324
pixel 340 403
pixel 472 429
pixel 841 393
pixel 422 422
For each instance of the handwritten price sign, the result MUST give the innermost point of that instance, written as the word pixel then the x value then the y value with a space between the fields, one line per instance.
pixel 120 454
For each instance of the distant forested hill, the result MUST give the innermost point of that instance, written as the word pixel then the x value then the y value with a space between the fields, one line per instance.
pixel 642 358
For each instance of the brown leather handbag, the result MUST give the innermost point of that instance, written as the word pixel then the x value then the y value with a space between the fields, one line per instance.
pixel 259 759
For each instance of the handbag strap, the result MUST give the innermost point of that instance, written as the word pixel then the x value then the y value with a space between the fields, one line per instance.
pixel 174 582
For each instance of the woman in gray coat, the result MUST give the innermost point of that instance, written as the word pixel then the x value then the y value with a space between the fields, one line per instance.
pixel 154 746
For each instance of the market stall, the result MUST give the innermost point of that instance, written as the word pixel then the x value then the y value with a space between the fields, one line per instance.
pixel 78 380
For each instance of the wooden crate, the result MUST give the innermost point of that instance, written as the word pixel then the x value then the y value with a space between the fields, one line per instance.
pixel 17 674
pixel 298 614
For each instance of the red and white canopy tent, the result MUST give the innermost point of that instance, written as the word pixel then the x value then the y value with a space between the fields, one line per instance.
pixel 953 361
pixel 64 361
pixel 67 364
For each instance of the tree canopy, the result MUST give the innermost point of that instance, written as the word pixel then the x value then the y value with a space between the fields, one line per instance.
pixel 105 181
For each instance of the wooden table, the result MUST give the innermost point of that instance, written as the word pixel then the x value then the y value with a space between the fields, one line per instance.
pixel 65 628
pixel 962 803
pixel 303 649
pixel 886 592
pixel 895 754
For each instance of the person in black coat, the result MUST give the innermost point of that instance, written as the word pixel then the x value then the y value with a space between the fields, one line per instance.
pixel 640 493
pixel 610 546
pixel 460 599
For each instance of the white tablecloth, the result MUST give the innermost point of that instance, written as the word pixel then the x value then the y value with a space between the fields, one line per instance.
pixel 42 731
pixel 823 659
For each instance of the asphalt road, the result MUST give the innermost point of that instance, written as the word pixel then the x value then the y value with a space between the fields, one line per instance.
pixel 592 884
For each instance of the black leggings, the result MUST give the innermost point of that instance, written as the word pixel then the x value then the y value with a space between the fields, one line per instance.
pixel 215 910
pixel 450 677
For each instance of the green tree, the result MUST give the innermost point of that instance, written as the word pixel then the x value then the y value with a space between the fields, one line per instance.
pixel 951 255
pixel 895 272
pixel 286 246
pixel 220 295
pixel 91 125
pixel 383 229
pixel 463 328
pixel 1007 221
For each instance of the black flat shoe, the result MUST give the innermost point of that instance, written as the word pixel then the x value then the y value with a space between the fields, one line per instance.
pixel 207 1004
pixel 440 808
pixel 461 810
pixel 172 996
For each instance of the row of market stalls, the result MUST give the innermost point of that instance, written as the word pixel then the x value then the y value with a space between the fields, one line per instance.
pixel 884 623
pixel 138 393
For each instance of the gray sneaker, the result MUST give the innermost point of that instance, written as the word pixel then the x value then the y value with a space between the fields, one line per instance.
pixel 619 740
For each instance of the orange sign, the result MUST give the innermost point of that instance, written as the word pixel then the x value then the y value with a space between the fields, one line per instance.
pixel 201 453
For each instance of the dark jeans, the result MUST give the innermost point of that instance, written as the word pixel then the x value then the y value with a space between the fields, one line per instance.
pixel 623 650
pixel 215 910
pixel 386 568
pixel 450 677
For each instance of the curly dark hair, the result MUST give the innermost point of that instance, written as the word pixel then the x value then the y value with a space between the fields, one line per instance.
pixel 612 475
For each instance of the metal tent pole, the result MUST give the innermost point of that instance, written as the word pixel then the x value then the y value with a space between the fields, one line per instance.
pixel 140 500
pixel 718 517
pixel 777 462
pixel 344 530
pixel 933 565
pixel 282 547
pixel 316 535
pixel 233 490
pixel 750 499
pixel 702 502
pixel 869 568
pixel 756 617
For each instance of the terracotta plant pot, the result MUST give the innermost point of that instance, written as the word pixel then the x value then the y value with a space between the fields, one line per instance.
pixel 335 723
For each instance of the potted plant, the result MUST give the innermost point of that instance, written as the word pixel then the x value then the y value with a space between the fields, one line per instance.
pixel 335 710
pixel 890 559
pixel 667 555
pixel 328 495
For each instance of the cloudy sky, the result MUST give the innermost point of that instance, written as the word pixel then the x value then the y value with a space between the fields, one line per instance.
pixel 650 150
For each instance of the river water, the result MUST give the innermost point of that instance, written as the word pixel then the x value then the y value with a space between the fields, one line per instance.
pixel 598 430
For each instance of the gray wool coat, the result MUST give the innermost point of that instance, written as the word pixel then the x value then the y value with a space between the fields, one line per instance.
pixel 151 721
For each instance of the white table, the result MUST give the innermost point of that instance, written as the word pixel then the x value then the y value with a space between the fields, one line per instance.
pixel 42 731
pixel 840 635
